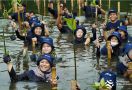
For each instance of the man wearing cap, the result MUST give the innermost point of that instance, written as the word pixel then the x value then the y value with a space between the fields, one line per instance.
pixel 112 25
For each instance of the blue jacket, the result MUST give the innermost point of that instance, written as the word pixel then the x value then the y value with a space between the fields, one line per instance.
pixel 30 76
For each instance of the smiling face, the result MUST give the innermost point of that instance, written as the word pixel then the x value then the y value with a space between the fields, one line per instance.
pixel 46 48
pixel 79 33
pixel 44 65
pixel 38 30
pixel 113 17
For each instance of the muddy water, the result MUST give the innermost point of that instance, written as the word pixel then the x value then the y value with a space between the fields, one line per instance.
pixel 86 63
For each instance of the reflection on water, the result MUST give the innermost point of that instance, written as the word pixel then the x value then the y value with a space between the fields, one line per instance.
pixel 86 63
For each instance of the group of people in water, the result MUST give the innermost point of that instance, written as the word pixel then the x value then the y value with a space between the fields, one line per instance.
pixel 37 33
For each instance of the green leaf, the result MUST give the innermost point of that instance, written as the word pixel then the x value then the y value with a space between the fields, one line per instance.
pixel 19 1
pixel 10 10
pixel 71 23
pixel 96 85
pixel 93 3
pixel 102 82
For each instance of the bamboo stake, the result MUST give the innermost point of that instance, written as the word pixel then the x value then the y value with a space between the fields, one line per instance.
pixel 33 47
pixel 100 2
pixel 73 85
pixel 38 5
pixel 14 6
pixel 54 87
pixel 85 3
pixel 109 53
pixel 44 8
pixel 72 5
pixel 109 4
pixel 79 7
pixel 130 68
pixel 118 10
pixel 19 21
pixel 96 15
pixel 65 1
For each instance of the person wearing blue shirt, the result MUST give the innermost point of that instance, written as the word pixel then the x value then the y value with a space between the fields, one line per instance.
pixel 115 41
pixel 112 25
pixel 33 19
pixel 42 73
pixel 122 66
pixel 51 9
pixel 91 10
pixel 14 16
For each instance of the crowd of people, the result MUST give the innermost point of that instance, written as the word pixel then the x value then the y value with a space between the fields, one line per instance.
pixel 37 34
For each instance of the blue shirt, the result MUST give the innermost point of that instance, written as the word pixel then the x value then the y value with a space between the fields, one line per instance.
pixel 114 26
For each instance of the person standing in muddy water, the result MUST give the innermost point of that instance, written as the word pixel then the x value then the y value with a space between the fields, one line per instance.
pixel 115 42
pixel 80 33
pixel 90 10
pixel 61 24
pixel 113 24
pixel 42 73
pixel 47 47
pixel 51 9
pixel 23 14
pixel 124 66
pixel 35 33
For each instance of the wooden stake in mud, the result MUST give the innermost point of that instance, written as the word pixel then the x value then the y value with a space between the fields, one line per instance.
pixel 109 53
pixel 33 47
pixel 44 8
pixel 65 1
pixel 14 5
pixel 38 5
pixel 96 15
pixel 109 4
pixel 79 7
pixel 130 68
pixel 100 2
pixel 72 5
pixel 73 85
pixel 54 86
pixel 85 3
pixel 19 21
pixel 118 10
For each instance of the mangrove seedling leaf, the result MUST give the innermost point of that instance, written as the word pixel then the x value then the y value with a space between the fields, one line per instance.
pixel 71 23
pixel 102 82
